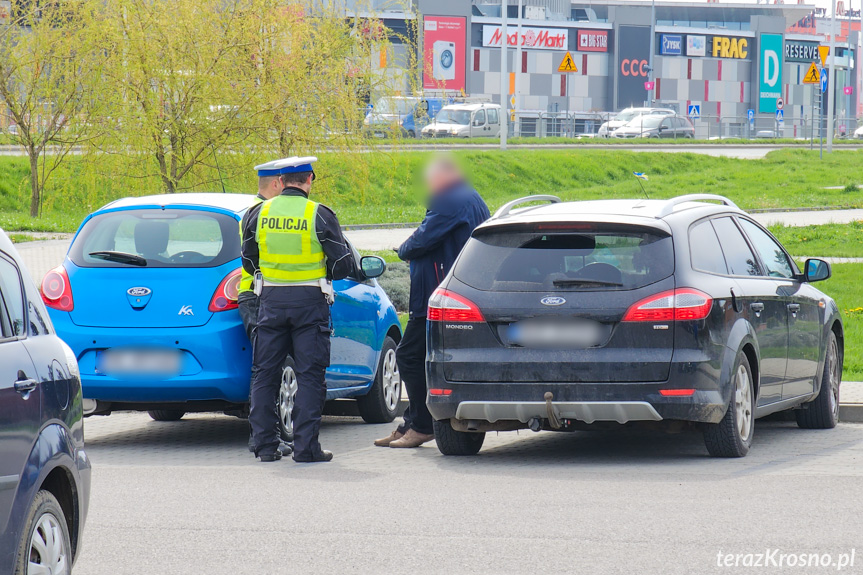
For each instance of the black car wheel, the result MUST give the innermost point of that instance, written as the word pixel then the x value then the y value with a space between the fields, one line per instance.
pixel 45 545
pixel 732 436
pixel 823 412
pixel 287 398
pixel 452 442
pixel 381 403
pixel 166 414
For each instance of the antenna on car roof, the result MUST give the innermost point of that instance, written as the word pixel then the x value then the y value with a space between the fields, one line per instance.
pixel 218 169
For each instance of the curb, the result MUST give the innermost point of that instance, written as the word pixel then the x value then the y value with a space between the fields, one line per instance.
pixel 851 412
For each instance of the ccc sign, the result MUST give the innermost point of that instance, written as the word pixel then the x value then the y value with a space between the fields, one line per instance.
pixel 634 67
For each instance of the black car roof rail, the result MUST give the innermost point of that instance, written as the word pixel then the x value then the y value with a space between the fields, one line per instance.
pixel 507 207
pixel 668 207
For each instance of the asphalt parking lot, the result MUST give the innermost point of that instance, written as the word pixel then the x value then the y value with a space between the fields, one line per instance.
pixel 187 497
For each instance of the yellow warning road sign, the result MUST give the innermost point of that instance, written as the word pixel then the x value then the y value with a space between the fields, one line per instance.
pixel 823 52
pixel 568 64
pixel 813 76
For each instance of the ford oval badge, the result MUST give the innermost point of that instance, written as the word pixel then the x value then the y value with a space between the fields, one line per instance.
pixel 552 300
pixel 138 297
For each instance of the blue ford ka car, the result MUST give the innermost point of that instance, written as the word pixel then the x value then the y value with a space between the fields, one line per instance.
pixel 147 300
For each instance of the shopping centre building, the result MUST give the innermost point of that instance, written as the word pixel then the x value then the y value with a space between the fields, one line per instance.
pixel 725 59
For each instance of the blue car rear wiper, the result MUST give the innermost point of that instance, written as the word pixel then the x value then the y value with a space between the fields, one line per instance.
pixel 120 258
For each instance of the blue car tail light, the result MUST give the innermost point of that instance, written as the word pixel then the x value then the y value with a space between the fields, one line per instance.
pixel 225 296
pixel 56 290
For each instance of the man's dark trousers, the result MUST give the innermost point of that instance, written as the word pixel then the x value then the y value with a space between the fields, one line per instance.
pixel 292 321
pixel 411 358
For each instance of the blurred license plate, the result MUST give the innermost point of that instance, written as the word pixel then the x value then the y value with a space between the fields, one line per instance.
pixel 164 362
pixel 556 334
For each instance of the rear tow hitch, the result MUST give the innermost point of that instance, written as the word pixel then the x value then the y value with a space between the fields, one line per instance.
pixel 553 417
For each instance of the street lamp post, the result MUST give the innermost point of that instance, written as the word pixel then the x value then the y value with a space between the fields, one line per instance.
pixel 831 79
pixel 504 76
pixel 651 76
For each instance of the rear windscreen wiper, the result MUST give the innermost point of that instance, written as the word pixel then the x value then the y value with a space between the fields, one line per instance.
pixel 578 282
pixel 120 258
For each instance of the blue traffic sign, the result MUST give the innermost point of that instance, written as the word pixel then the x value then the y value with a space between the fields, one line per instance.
pixel 750 113
pixel 823 79
pixel 694 111
pixel 780 115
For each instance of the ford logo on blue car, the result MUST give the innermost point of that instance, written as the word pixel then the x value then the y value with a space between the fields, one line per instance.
pixel 552 300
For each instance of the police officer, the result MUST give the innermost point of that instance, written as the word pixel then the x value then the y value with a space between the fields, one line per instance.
pixel 293 247
pixel 268 187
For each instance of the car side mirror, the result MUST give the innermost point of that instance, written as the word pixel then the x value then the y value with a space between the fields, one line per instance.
pixel 372 266
pixel 816 270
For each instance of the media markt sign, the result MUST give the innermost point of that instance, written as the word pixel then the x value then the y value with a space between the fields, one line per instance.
pixel 769 72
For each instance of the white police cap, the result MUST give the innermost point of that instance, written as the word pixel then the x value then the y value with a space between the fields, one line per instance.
pixel 292 165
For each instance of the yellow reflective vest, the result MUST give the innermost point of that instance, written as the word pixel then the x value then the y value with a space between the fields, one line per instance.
pixel 288 245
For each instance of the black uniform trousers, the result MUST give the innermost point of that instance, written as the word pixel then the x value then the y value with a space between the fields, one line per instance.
pixel 411 358
pixel 247 302
pixel 292 321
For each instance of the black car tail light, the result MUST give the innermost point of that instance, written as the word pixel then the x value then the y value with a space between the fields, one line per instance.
pixel 445 305
pixel 680 304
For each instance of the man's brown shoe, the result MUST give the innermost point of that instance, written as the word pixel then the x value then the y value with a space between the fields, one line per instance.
pixel 412 439
pixel 385 441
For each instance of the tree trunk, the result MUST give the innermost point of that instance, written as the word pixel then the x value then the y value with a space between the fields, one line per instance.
pixel 35 192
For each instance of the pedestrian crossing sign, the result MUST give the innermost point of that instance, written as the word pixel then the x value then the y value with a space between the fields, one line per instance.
pixel 568 64
pixel 813 76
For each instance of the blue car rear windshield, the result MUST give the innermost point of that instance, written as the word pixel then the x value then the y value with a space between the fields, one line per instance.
pixel 560 260
pixel 158 239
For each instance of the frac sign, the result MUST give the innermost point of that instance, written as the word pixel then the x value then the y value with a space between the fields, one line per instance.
pixel 531 38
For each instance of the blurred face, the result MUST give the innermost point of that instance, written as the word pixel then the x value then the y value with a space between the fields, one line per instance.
pixel 442 175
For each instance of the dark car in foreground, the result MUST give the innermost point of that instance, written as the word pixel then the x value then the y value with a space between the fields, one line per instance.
pixel 569 314
pixel 44 471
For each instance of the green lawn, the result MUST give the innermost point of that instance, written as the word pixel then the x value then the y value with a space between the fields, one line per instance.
pixel 847 289
pixel 387 187
pixel 829 240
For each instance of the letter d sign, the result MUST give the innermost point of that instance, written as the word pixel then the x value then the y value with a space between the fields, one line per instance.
pixel 770 72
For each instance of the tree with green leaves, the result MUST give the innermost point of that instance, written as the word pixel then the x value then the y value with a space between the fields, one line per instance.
pixel 50 63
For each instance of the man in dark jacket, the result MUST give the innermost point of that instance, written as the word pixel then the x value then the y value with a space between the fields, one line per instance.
pixel 454 210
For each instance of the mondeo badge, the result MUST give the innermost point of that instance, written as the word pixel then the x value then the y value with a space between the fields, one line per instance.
pixel 552 300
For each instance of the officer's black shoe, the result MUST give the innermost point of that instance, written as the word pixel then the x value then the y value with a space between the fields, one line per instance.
pixel 324 455
pixel 269 457
pixel 286 449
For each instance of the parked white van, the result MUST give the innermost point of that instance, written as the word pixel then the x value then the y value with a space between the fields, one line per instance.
pixel 465 121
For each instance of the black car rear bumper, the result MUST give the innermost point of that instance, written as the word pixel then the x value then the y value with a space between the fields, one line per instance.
pixel 586 402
